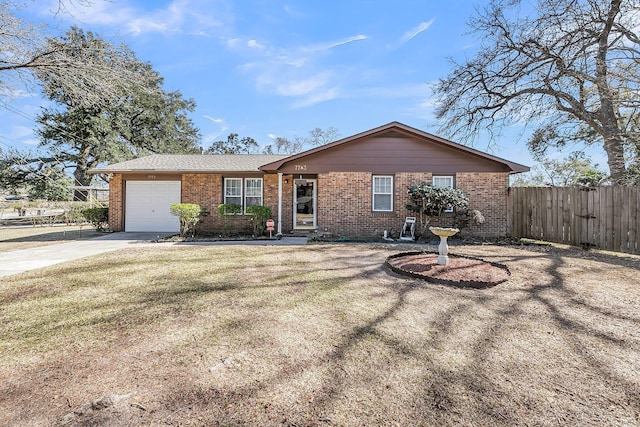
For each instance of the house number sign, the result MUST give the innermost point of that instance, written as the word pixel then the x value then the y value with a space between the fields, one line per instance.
pixel 300 167
pixel 151 177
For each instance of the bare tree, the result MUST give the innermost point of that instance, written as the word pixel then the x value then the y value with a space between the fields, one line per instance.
pixel 285 146
pixel 320 136
pixel 27 54
pixel 317 137
pixel 570 66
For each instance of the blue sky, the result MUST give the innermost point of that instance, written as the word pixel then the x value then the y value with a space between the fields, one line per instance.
pixel 266 68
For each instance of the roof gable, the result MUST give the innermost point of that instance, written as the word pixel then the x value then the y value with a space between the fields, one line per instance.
pixel 393 148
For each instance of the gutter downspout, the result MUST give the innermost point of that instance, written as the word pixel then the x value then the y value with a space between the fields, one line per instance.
pixel 279 202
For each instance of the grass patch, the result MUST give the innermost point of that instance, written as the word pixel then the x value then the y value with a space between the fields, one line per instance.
pixel 320 335
pixel 12 238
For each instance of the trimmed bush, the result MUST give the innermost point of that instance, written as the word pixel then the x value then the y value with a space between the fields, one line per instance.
pixel 189 214
pixel 99 217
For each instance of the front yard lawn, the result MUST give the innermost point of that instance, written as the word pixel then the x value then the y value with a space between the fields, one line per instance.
pixel 25 237
pixel 319 335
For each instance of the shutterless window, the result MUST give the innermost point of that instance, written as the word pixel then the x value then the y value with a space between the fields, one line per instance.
pixel 233 191
pixel 443 182
pixel 383 193
pixel 252 192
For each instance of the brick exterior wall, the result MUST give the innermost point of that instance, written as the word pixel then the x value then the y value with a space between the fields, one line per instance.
pixel 287 204
pixel 116 203
pixel 487 193
pixel 344 203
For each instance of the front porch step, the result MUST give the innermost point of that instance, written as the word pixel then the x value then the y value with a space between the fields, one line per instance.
pixel 300 233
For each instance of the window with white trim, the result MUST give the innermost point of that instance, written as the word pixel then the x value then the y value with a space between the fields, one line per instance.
pixel 383 193
pixel 243 192
pixel 443 182
pixel 233 191
pixel 252 192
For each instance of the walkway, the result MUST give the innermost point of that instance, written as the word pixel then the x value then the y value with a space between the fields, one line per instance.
pixel 19 261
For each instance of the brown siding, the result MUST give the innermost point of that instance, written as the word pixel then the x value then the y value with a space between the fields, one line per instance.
pixel 385 154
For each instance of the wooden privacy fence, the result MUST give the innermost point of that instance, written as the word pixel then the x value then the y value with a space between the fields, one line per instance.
pixel 598 217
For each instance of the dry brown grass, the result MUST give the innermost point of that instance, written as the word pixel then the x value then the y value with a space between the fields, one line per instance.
pixel 26 237
pixel 320 335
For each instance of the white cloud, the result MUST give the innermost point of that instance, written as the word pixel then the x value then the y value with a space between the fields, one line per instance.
pixel 331 45
pixel 179 16
pixel 411 34
pixel 214 136
pixel 21 134
pixel 234 42
pixel 318 97
pixel 302 87
pixel 272 136
pixel 213 119
pixel 255 44
pixel 415 31
pixel 299 72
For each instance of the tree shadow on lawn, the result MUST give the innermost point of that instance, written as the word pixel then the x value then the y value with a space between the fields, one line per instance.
pixel 56 236
pixel 493 380
pixel 539 349
pixel 588 380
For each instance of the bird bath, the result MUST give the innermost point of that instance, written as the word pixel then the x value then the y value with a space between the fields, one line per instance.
pixel 443 248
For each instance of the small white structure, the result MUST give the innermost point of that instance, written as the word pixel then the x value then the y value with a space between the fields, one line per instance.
pixel 443 248
pixel 408 229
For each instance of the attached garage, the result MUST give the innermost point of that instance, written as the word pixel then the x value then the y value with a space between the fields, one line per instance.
pixel 147 206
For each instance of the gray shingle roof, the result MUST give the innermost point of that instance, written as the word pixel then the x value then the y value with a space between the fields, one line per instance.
pixel 192 163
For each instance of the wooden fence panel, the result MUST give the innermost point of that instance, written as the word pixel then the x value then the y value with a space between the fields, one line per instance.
pixel 602 217
pixel 617 219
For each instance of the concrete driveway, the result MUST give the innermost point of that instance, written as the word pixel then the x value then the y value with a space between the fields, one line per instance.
pixel 19 261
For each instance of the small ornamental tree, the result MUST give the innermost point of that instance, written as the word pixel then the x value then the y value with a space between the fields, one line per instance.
pixel 189 214
pixel 259 216
pixel 428 201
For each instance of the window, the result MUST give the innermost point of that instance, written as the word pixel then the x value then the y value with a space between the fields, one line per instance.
pixel 383 193
pixel 233 191
pixel 243 192
pixel 443 182
pixel 252 192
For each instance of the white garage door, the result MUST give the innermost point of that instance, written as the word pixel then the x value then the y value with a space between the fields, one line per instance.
pixel 147 206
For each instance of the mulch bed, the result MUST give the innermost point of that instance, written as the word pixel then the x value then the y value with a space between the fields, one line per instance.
pixel 460 271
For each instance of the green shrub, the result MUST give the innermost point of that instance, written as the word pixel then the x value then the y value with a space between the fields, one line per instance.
pixel 463 218
pixel 228 212
pixel 428 202
pixel 99 217
pixel 229 209
pixel 73 212
pixel 259 217
pixel 189 214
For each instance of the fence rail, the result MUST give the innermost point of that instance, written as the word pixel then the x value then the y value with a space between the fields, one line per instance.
pixel 599 217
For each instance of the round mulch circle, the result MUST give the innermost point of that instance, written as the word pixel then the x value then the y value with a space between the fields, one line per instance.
pixel 461 271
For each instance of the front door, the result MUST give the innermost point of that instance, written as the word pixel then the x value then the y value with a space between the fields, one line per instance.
pixel 304 204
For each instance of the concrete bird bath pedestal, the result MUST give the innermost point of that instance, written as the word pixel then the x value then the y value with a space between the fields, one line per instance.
pixel 443 248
